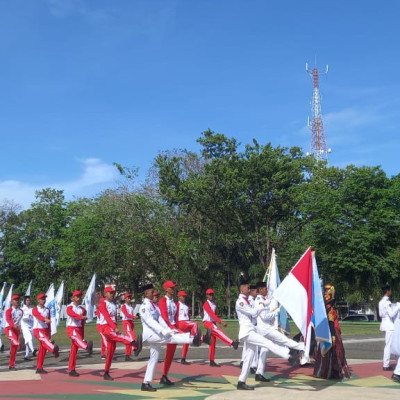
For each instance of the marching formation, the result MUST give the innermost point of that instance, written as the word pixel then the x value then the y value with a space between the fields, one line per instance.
pixel 166 322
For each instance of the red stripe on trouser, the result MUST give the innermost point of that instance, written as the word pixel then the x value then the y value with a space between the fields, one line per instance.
pixel 103 341
pixel 13 337
pixel 128 329
pixel 75 334
pixel 169 355
pixel 112 338
pixel 216 333
pixel 44 346
pixel 188 326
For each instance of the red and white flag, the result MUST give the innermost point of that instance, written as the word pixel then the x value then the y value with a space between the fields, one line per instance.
pixel 295 293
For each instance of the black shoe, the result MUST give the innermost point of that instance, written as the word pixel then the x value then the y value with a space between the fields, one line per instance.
pixel 390 368
pixel 139 345
pixel 27 359
pixel 262 378
pixel 107 377
pixel 252 370
pixel 103 357
pixel 34 353
pixel 235 344
pixel 165 381
pixel 73 373
pixel 2 348
pixel 295 356
pixel 146 387
pixel 197 339
pixel 396 378
pixel 184 362
pixel 41 371
pixel 243 386
pixel 90 347
pixel 12 368
pixel 207 337
pixel 128 358
pixel 213 364
pixel 56 351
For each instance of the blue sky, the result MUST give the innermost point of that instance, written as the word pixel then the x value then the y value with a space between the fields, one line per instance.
pixel 85 83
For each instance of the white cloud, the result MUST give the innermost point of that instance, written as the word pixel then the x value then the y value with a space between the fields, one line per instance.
pixel 96 176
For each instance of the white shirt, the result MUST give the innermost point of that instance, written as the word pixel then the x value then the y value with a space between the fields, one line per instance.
pixel 150 316
pixel 75 322
pixel 266 319
pixel 206 316
pixel 16 316
pixel 27 318
pixel 112 311
pixel 246 313
pixel 45 313
pixel 387 311
pixel 183 314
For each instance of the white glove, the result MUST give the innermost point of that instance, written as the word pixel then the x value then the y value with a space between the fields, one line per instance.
pixel 166 332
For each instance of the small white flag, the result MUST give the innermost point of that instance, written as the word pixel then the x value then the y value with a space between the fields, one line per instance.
pixel 88 300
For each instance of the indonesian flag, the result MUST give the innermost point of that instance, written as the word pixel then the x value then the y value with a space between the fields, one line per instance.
pixel 295 293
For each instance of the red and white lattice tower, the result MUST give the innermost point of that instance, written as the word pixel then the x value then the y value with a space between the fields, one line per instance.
pixel 318 142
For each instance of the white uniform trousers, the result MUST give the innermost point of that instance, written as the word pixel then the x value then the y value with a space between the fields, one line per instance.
pixel 386 351
pixel 155 342
pixel 252 340
pixel 28 338
pixel 278 338
pixel 254 361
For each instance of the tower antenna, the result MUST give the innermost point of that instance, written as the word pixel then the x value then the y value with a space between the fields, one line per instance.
pixel 318 141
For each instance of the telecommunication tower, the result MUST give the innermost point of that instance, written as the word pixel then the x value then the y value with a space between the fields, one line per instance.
pixel 318 142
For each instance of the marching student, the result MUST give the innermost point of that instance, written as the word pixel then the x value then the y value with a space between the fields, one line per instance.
pixel 13 316
pixel 183 322
pixel 109 328
pixel 249 335
pixel 42 332
pixel 156 332
pixel 209 321
pixel 128 324
pixel 27 328
pixel 266 327
pixel 76 317
pixel 103 347
pixel 168 311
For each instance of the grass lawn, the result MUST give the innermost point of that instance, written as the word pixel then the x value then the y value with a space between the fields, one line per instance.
pixel 348 328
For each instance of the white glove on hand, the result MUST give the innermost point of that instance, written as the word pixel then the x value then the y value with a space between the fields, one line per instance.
pixel 166 332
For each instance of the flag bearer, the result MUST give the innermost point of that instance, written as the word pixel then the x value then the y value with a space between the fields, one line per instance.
pixel 27 328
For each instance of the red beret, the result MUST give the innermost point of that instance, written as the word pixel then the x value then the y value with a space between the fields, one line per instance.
pixel 182 293
pixel 210 291
pixel 156 293
pixel 126 295
pixel 77 293
pixel 168 284
pixel 15 297
pixel 109 289
pixel 41 296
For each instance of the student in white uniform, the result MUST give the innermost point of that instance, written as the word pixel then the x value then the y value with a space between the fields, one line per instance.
pixel 266 327
pixel 156 332
pixel 27 328
pixel 249 335
pixel 387 311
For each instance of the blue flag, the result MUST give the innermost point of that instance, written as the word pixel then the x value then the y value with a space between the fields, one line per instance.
pixel 318 318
